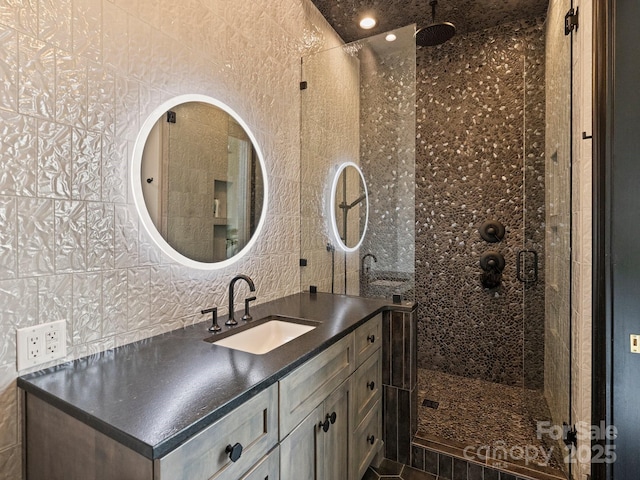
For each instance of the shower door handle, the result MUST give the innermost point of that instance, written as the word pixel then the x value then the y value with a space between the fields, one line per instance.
pixel 522 257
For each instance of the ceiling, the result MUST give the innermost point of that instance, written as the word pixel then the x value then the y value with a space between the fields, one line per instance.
pixel 466 15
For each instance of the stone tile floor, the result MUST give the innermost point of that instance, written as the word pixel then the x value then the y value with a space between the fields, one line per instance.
pixel 393 470
pixel 474 412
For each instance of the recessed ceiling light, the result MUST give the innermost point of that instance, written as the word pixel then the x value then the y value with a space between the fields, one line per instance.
pixel 390 37
pixel 367 23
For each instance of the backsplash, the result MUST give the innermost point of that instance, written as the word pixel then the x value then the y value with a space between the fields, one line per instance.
pixel 480 142
pixel 79 78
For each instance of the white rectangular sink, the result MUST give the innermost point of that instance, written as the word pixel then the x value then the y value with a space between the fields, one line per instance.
pixel 265 337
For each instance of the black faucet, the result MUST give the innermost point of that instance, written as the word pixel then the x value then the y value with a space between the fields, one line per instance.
pixel 214 328
pixel 364 258
pixel 252 287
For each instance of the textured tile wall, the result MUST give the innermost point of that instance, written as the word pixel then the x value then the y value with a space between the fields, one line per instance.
pixel 582 229
pixel 558 223
pixel 580 243
pixel 78 79
pixel 480 143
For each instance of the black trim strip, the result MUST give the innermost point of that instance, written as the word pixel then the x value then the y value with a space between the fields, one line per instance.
pixel 603 42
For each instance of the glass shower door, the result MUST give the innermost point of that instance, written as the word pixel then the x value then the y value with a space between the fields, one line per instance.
pixel 545 260
pixel 349 115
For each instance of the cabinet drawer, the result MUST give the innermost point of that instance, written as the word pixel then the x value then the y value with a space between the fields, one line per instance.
pixel 307 386
pixel 368 338
pixel 267 469
pixel 254 425
pixel 367 388
pixel 362 449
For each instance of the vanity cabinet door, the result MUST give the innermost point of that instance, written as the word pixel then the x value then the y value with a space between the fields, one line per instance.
pixel 336 439
pixel 310 452
pixel 302 451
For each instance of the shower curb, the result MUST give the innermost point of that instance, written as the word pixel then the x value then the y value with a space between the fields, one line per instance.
pixel 446 461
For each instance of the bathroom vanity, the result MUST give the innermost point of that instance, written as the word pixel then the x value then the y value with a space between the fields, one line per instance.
pixel 175 406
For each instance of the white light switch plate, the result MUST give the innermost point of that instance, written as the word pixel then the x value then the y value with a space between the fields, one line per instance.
pixel 41 344
pixel 635 343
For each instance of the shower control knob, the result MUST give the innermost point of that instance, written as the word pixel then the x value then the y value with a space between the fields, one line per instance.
pixel 492 231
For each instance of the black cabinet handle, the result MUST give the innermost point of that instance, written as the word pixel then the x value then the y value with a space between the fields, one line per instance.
pixel 324 425
pixel 329 420
pixel 371 338
pixel 332 417
pixel 234 452
pixel 371 439
pixel 371 385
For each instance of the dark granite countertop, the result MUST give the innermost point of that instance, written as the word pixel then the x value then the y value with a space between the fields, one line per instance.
pixel 154 394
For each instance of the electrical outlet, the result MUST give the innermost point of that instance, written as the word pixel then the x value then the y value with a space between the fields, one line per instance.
pixel 41 344
pixel 635 343
pixel 51 341
pixel 34 346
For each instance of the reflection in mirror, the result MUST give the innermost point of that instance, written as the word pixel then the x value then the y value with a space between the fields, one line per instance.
pixel 349 206
pixel 202 183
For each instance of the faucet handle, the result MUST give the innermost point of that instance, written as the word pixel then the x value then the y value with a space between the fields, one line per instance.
pixel 214 318
pixel 247 316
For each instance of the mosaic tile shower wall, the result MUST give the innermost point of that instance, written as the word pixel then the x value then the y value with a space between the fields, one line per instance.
pixel 480 140
pixel 78 79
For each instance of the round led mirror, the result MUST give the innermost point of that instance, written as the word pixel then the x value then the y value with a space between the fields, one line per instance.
pixel 349 206
pixel 199 182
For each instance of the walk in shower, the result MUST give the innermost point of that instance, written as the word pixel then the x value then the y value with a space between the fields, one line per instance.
pixel 475 131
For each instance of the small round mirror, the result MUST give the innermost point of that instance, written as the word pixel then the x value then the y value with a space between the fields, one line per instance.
pixel 349 206
pixel 198 182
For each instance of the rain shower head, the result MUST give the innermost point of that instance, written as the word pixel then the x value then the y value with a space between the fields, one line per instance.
pixel 435 33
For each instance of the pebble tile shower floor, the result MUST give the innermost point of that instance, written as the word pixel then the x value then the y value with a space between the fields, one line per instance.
pixel 476 413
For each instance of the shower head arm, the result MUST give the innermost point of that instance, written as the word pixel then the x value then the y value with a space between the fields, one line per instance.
pixel 433 4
